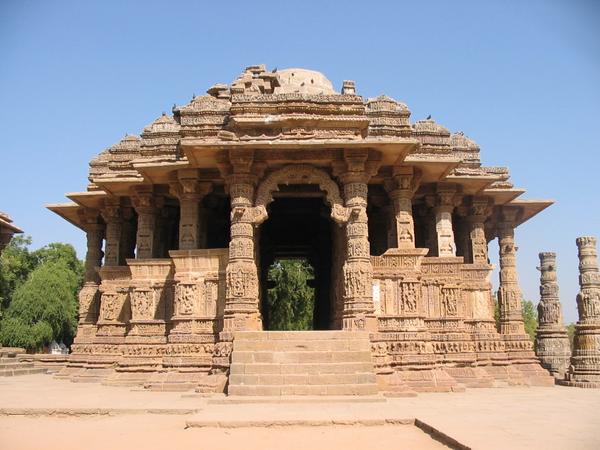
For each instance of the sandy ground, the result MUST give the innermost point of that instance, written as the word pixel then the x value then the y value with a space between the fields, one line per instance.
pixel 167 432
pixel 516 418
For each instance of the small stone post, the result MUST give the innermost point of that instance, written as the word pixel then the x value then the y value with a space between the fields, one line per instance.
pixel 552 341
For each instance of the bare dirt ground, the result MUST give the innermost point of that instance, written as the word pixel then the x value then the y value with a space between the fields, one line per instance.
pixel 167 432
pixel 516 418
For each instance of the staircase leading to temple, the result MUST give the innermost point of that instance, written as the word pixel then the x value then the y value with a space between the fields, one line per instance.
pixel 273 363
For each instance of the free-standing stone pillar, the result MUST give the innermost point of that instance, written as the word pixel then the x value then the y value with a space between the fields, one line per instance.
pixel 585 362
pixel 443 220
pixel 552 341
pixel 509 293
pixel 406 182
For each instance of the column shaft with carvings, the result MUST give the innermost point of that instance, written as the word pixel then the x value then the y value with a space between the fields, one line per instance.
pixel 147 207
pixel 242 311
pixel 585 362
pixel 89 295
pixel 478 248
pixel 552 340
pixel 190 191
pixel 359 312
pixel 406 182
pixel 445 204
pixel 509 293
pixel 114 229
pixel 115 285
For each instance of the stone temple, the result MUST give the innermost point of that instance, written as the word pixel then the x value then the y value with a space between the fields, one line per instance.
pixel 395 217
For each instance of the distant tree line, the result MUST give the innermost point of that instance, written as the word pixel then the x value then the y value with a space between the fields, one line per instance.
pixel 38 294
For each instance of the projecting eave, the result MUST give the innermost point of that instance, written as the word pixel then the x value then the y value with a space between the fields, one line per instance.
pixel 88 199
pixel 119 185
pixel 433 170
pixel 530 208
pixel 472 185
pixel 158 172
pixel 202 153
pixel 503 196
pixel 68 211
pixel 9 226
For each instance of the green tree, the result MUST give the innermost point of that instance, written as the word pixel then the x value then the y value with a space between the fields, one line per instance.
pixel 39 292
pixel 16 263
pixel 42 309
pixel 291 300
pixel 571 332
pixel 530 318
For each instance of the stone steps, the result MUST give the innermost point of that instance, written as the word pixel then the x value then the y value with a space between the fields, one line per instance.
pixel 276 363
pixel 20 371
pixel 11 366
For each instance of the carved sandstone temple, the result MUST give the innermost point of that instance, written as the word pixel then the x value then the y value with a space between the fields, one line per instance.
pixel 183 222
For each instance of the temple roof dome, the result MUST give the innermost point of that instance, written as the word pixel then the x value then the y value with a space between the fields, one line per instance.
pixel 430 127
pixel 164 124
pixel 303 81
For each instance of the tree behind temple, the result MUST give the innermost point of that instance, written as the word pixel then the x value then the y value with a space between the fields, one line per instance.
pixel 291 301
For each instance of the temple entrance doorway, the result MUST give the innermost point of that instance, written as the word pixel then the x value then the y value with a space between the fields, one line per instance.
pixel 296 261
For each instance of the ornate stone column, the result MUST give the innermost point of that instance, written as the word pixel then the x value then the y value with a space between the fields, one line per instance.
pixel 552 340
pixel 509 293
pixel 242 310
pixel 190 191
pixel 585 362
pixel 406 181
pixel 359 312
pixel 147 207
pixel 89 296
pixel 114 228
pixel 443 220
pixel 478 248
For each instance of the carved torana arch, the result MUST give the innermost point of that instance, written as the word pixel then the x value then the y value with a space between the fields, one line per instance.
pixel 300 174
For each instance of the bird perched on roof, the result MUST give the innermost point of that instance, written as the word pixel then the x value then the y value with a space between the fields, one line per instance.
pixel 428 117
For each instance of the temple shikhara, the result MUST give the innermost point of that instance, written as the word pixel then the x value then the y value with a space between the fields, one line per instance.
pixel 395 217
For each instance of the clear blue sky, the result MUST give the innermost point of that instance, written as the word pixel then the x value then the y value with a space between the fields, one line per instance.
pixel 522 78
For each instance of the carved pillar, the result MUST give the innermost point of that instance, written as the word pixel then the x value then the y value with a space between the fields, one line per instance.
pixel 89 295
pixel 128 234
pixel 406 182
pixel 359 312
pixel 114 229
pixel 509 293
pixel 242 302
pixel 443 220
pixel 478 249
pixel 147 238
pixel 190 192
pixel 552 341
pixel 585 362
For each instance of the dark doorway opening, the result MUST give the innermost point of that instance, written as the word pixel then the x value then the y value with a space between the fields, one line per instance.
pixel 297 234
